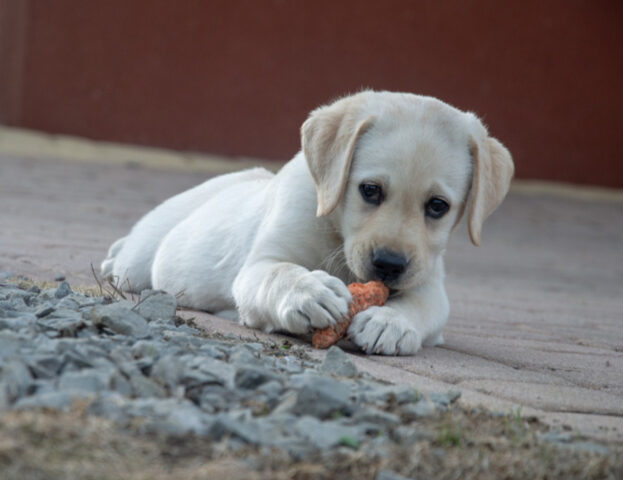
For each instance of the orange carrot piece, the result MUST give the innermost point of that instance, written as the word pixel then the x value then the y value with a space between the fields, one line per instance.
pixel 365 295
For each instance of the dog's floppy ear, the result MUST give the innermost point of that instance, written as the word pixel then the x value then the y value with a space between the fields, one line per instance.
pixel 329 137
pixel 492 173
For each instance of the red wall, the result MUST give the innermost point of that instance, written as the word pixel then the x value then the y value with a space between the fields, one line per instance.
pixel 238 77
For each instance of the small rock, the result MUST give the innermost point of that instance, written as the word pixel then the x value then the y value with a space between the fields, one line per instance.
pixel 144 387
pixel 321 396
pixel 120 319
pixel 406 435
pixel 46 366
pixel 338 363
pixel 46 400
pixel 377 417
pixel 391 393
pixel 326 435
pixel 62 290
pixel 62 323
pixel 16 377
pixel 168 371
pixel 59 278
pixel 145 348
pixel 421 409
pixel 251 377
pixel 555 437
pixel 44 310
pixel 156 305
pixel 389 475
pixel 225 425
pixel 445 399
pixel 85 381
pixel 242 355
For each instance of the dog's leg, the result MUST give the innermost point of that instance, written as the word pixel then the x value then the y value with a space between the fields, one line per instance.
pixel 405 323
pixel 288 297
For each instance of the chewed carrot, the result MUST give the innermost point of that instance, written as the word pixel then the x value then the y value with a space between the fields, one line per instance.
pixel 365 295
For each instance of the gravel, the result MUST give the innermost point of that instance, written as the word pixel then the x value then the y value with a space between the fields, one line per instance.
pixel 136 363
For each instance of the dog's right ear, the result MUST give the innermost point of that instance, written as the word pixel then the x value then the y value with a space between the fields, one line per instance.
pixel 328 138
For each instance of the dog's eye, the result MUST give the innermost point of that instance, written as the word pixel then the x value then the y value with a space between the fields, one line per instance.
pixel 371 193
pixel 436 208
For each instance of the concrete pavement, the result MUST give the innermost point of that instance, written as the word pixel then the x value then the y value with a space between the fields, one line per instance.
pixel 536 311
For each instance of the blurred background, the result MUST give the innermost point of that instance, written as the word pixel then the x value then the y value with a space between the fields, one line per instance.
pixel 238 77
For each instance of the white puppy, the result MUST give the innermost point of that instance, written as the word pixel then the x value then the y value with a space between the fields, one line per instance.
pixel 382 180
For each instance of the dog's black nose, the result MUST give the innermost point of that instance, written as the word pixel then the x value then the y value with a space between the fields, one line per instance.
pixel 388 265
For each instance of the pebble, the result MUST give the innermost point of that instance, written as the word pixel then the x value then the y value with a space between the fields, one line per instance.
pixel 62 290
pixel 119 319
pixel 136 365
pixel 338 363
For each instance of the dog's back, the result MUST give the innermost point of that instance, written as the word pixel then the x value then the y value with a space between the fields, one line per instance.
pixel 130 259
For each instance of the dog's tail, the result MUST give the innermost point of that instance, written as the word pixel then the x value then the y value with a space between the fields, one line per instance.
pixel 107 267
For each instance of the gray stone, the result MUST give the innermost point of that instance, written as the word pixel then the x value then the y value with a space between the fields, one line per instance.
pixel 168 371
pixel 321 396
pixel 45 400
pixel 406 435
pixel 85 381
pixel 590 447
pixel 391 393
pixel 111 406
pixel 423 408
pixel 120 319
pixel 213 352
pixel 324 435
pixel 68 303
pixel 144 387
pixel 376 416
pixel 16 377
pixel 6 274
pixel 156 305
pixel 291 365
pixel 44 310
pixel 5 399
pixel 146 348
pixel 338 363
pixel 445 399
pixel 226 426
pixel 183 419
pixel 555 437
pixel 222 371
pixel 389 475
pixel 44 365
pixel 242 356
pixel 251 377
pixel 18 321
pixel 64 323
pixel 59 278
pixel 272 389
pixel 62 290
pixel 73 358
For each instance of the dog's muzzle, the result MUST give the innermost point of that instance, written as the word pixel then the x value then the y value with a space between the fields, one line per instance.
pixel 388 265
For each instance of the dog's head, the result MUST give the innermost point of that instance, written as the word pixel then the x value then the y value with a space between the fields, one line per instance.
pixel 396 172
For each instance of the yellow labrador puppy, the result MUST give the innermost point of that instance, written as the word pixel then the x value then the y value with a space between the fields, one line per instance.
pixel 382 180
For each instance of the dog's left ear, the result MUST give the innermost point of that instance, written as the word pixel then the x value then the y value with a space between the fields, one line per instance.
pixel 492 173
pixel 328 138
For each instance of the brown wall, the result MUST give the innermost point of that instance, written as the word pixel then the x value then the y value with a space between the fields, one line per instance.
pixel 238 77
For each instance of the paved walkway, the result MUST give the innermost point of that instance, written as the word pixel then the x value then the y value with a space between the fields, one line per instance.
pixel 536 311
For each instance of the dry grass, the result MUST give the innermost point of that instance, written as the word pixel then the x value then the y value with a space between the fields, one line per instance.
pixel 464 445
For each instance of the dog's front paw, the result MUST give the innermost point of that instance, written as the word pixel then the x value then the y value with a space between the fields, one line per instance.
pixel 315 300
pixel 383 330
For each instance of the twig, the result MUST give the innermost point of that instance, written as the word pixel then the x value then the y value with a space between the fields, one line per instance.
pixel 116 289
pixel 99 284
